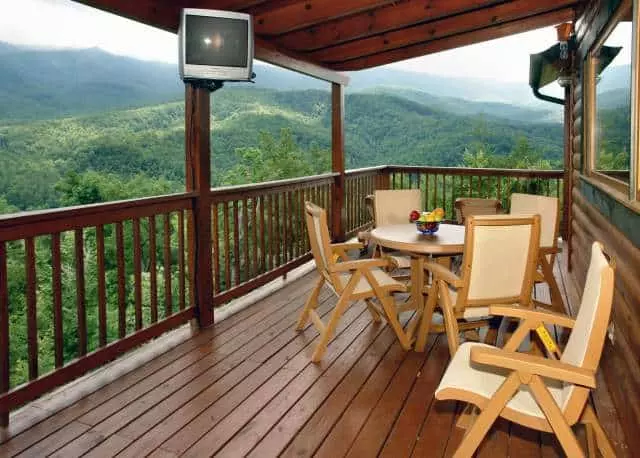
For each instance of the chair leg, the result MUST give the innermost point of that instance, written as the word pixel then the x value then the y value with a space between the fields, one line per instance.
pixel 312 303
pixel 372 310
pixel 557 303
pixel 492 410
pixel 326 335
pixel 554 415
pixel 589 419
pixel 450 321
pixel 392 319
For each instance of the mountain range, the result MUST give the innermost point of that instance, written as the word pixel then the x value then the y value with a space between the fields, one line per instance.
pixel 46 83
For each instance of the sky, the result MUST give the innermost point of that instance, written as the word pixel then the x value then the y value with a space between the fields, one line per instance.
pixel 66 24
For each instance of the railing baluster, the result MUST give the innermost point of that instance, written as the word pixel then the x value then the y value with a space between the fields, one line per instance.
pixel 245 239
pixel 254 230
pixel 153 274
pixel 278 229
pixel 226 235
pixel 80 300
pixel 122 305
pixel 5 368
pixel 217 277
pixel 168 294
pixel 181 267
pixel 102 293
pixel 191 260
pixel 56 289
pixel 285 227
pixel 236 244
pixel 444 191
pixel 137 273
pixel 263 253
pixel 269 224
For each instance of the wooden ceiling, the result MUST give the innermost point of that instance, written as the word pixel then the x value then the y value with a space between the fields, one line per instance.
pixel 359 34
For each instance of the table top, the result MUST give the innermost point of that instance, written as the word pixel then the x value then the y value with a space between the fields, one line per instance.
pixel 405 237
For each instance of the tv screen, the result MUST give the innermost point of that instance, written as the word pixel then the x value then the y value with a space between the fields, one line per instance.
pixel 215 45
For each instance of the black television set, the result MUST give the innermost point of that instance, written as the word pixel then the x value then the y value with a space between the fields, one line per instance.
pixel 215 45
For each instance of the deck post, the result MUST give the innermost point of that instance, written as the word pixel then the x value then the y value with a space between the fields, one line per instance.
pixel 198 179
pixel 337 161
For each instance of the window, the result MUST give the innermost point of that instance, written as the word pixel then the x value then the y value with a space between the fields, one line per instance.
pixel 610 147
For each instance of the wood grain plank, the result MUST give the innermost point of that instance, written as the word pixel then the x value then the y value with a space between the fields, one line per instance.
pixel 406 429
pixel 217 436
pixel 222 332
pixel 288 411
pixel 371 438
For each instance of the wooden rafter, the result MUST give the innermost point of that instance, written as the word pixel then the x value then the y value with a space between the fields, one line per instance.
pixel 478 19
pixel 305 14
pixel 389 17
pixel 455 41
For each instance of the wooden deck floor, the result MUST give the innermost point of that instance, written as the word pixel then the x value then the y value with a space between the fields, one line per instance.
pixel 246 387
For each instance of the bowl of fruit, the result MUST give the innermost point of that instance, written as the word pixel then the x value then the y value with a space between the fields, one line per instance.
pixel 427 223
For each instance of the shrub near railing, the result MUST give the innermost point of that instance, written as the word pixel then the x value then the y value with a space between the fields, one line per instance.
pixel 80 285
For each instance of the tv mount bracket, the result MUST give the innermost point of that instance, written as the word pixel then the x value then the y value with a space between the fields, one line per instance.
pixel 212 85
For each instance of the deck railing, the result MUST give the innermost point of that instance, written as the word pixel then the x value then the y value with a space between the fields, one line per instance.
pixel 81 285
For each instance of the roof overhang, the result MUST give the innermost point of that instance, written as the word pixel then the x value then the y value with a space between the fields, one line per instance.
pixel 359 34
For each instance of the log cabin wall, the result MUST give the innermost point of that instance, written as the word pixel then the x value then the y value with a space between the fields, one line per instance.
pixel 599 212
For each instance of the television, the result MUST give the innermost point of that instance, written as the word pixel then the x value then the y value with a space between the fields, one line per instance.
pixel 215 45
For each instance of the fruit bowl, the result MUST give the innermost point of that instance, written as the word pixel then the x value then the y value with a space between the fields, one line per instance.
pixel 427 223
pixel 427 228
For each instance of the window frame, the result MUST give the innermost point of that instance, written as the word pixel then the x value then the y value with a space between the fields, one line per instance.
pixel 627 191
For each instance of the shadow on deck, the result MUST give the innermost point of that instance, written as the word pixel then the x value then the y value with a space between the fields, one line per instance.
pixel 247 387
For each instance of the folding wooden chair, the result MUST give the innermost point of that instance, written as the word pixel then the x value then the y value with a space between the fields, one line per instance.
pixel 543 394
pixel 547 208
pixel 499 261
pixel 470 206
pixel 349 280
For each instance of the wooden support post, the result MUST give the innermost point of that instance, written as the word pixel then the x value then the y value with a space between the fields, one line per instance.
pixel 337 160
pixel 568 173
pixel 198 179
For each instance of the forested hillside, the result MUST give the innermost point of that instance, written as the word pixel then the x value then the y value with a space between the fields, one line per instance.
pixel 148 143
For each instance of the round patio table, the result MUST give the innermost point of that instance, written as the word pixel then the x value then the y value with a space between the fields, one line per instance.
pixel 448 241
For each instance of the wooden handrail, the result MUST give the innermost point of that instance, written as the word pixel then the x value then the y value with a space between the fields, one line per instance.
pixel 18 226
pixel 469 171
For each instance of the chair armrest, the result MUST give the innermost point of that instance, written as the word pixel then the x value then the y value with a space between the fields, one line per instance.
pixel 347 246
pixel 535 365
pixel 360 264
pixel 534 315
pixel 443 273
pixel 549 250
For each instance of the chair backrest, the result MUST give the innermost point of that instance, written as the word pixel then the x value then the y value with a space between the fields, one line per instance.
pixel 393 206
pixel 319 238
pixel 469 206
pixel 586 341
pixel 499 261
pixel 546 207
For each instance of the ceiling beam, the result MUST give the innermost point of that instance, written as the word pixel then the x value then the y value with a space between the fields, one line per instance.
pixel 157 14
pixel 456 41
pixel 269 52
pixel 486 17
pixel 305 14
pixel 380 20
